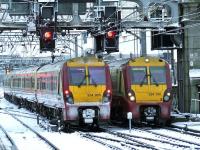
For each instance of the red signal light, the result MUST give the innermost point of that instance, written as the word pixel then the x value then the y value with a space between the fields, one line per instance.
pixel 48 35
pixel 111 34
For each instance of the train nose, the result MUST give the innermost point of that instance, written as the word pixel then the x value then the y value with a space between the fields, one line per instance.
pixel 150 113
pixel 88 115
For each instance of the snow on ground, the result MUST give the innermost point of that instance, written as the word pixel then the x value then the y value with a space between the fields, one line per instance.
pixel 190 125
pixel 62 140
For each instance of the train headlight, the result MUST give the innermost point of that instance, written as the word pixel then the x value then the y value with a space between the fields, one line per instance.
pixel 70 100
pixel 167 96
pixel 146 60
pixel 105 99
pixel 131 95
pixel 69 97
pixel 106 96
pixel 132 98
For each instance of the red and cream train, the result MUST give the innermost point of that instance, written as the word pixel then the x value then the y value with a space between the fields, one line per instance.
pixel 143 87
pixel 75 91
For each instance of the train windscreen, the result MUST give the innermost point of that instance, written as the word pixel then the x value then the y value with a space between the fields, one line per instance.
pixel 77 76
pixel 138 75
pixel 97 75
pixel 158 75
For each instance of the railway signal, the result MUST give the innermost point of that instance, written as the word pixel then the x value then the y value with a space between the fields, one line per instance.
pixel 47 40
pixel 111 41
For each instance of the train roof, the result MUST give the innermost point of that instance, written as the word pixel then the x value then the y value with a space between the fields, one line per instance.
pixel 53 67
pixel 119 62
pixel 25 71
pixel 153 60
pixel 79 61
pixel 89 60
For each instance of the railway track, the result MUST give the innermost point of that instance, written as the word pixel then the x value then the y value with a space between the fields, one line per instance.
pixel 6 142
pixel 185 130
pixel 103 141
pixel 39 140
pixel 178 136
pixel 149 141
pixel 118 140
pixel 121 141
pixel 139 138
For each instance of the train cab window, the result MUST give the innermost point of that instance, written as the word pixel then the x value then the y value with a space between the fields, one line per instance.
pixel 138 75
pixel 158 75
pixel 96 75
pixel 77 76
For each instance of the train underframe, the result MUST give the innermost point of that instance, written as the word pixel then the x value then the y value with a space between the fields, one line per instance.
pixel 150 113
pixel 76 115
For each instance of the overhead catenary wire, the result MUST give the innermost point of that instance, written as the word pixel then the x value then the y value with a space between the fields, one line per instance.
pixel 177 29
pixel 188 14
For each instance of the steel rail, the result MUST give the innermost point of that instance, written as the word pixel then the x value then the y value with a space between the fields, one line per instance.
pixel 34 131
pixel 171 137
pixel 14 147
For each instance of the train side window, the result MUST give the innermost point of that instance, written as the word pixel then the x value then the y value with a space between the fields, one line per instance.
pixel 32 82
pixel 27 82
pixel 38 83
pixel 23 82
pixel 53 83
pixel 48 83
pixel 18 82
pixel 43 84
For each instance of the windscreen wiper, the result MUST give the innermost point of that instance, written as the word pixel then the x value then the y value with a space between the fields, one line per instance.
pixel 142 82
pixel 154 80
pixel 81 83
pixel 93 81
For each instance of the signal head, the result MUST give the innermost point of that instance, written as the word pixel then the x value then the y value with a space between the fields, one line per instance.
pixel 111 34
pixel 48 35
